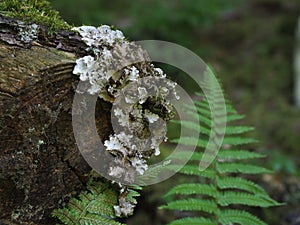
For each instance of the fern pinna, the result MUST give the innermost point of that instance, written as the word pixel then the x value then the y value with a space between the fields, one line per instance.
pixel 219 193
pixel 95 205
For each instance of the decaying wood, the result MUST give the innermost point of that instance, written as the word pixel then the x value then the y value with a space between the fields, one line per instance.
pixel 41 166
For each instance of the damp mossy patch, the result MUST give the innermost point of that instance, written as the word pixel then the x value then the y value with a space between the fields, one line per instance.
pixel 39 11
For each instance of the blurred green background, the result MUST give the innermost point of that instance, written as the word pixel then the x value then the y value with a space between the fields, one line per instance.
pixel 250 44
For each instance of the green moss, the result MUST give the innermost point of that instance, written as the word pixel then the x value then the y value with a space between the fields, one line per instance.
pixel 38 11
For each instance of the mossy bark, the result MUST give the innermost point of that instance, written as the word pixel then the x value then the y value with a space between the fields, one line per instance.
pixel 41 166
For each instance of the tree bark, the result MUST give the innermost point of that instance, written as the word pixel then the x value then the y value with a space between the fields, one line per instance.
pixel 41 167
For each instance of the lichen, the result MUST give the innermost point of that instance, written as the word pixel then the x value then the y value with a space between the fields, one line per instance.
pixel 38 11
pixel 29 33
pixel 124 208
pixel 120 72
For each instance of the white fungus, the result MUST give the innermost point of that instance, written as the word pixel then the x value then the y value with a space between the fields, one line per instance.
pixel 142 129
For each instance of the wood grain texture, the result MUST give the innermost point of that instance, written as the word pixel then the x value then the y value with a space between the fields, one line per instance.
pixel 40 165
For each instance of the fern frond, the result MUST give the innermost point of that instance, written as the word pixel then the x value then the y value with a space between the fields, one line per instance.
pixel 65 216
pixel 194 170
pixel 235 117
pixel 239 217
pixel 190 141
pixel 182 155
pixel 238 155
pixel 229 167
pixel 132 195
pixel 221 189
pixel 203 118
pixel 192 126
pixel 238 129
pixel 190 189
pixel 223 155
pixel 193 221
pixel 203 143
pixel 235 141
pixel 203 112
pixel 93 219
pixel 93 206
pixel 230 197
pixel 241 184
pixel 192 204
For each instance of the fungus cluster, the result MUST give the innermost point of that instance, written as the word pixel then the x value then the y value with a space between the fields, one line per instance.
pixel 120 72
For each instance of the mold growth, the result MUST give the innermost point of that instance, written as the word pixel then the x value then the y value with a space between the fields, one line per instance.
pixel 120 72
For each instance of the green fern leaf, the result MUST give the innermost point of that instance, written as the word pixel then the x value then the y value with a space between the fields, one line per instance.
pixel 203 119
pixel 234 117
pixel 234 141
pixel 190 141
pixel 192 221
pixel 221 189
pixel 132 195
pixel 194 170
pixel 230 197
pixel 241 184
pixel 193 126
pixel 183 155
pixel 238 155
pixel 241 168
pixel 204 111
pixel 94 206
pixel 239 217
pixel 94 220
pixel 190 189
pixel 65 216
pixel 192 204
pixel 238 129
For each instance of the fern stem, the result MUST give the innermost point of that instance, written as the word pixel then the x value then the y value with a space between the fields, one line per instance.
pixel 215 180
